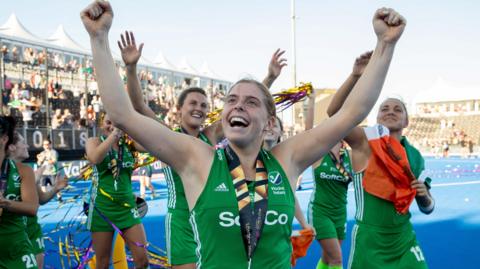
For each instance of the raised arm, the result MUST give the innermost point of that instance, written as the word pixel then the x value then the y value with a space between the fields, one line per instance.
pixel 356 139
pixel 347 86
pixel 28 205
pixel 304 149
pixel 130 55
pixel 275 68
pixel 171 147
pixel 96 150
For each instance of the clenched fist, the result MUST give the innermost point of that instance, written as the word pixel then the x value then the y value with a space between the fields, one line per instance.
pixel 97 18
pixel 388 25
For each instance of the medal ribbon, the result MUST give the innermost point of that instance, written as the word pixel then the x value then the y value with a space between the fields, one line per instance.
pixel 340 164
pixel 252 202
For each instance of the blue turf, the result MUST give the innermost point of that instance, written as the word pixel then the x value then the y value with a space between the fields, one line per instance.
pixel 449 236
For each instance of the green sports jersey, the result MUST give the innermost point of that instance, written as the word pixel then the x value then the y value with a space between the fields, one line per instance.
pixel 176 192
pixel 122 186
pixel 33 226
pixel 12 224
pixel 375 211
pixel 35 235
pixel 216 225
pixel 329 196
pixel 111 195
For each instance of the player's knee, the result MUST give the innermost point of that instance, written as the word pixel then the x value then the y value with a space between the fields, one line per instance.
pixel 333 258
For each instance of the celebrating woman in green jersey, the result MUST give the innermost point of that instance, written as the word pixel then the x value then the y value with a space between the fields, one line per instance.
pixel 193 106
pixel 18 152
pixel 18 199
pixel 241 198
pixel 112 201
pixel 383 236
pixel 327 210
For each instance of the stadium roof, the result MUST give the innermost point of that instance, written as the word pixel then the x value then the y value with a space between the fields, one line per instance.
pixel 13 29
pixel 441 91
pixel 61 39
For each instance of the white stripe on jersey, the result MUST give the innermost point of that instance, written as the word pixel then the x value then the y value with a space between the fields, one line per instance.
pixel 196 236
pixel 172 194
pixel 359 196
pixel 168 231
pixel 352 245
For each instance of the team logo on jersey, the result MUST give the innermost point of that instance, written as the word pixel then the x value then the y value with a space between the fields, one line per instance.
pixel 275 177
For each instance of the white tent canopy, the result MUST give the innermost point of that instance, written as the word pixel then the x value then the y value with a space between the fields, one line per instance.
pixel 441 91
pixel 61 39
pixel 162 62
pixel 185 66
pixel 14 28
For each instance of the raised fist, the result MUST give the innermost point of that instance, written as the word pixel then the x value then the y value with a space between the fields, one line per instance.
pixel 388 25
pixel 97 18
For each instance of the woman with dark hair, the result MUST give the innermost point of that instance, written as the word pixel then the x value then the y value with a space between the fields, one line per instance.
pixel 241 198
pixel 18 198
pixel 112 199
pixel 18 152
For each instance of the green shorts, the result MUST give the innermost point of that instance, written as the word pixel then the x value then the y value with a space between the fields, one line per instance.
pixel 17 253
pixel 123 217
pixel 179 235
pixel 374 249
pixel 327 225
pixel 35 235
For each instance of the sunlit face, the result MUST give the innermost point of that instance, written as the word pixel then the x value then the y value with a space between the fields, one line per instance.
pixel 19 151
pixel 392 115
pixel 244 117
pixel 107 125
pixel 275 133
pixel 194 110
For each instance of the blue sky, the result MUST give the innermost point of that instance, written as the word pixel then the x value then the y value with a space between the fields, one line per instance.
pixel 237 38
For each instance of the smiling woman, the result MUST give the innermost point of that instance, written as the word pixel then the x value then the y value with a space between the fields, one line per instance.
pixel 18 198
pixel 237 179
pixel 387 178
